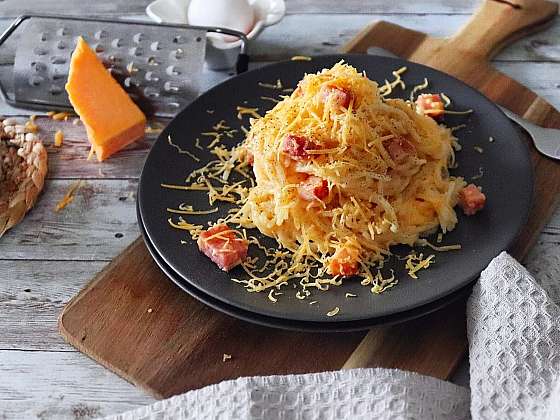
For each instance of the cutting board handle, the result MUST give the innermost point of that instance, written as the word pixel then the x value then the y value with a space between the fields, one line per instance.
pixel 499 22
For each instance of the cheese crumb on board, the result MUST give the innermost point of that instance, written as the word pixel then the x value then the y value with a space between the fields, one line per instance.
pixel 69 196
pixel 58 138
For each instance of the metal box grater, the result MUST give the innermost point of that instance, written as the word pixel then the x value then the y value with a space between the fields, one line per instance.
pixel 158 65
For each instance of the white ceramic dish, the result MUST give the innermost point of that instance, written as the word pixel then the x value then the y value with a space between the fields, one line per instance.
pixel 219 54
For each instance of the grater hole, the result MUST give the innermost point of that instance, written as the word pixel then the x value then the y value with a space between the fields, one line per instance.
pixel 38 66
pixel 36 80
pixel 179 39
pixel 117 43
pixel 151 77
pixel 63 31
pixel 153 61
pixel 99 48
pixel 151 93
pixel 173 105
pixel 131 82
pixel 138 38
pixel 100 34
pixel 172 71
pixel 178 54
pixel 57 76
pixel 58 59
pixel 155 46
pixel 171 87
pixel 61 45
pixel 198 39
pixel 40 51
pixel 55 90
pixel 136 51
pixel 43 36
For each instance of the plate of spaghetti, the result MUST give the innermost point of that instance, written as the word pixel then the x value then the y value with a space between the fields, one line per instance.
pixel 335 189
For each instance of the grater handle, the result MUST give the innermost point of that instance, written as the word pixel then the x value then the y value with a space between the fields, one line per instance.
pixel 242 64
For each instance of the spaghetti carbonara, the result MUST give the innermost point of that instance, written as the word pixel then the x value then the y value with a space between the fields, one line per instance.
pixel 342 174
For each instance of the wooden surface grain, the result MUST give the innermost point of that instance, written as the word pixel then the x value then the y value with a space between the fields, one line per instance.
pixel 51 256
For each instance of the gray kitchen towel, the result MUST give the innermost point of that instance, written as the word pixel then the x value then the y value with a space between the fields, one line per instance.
pixel 514 347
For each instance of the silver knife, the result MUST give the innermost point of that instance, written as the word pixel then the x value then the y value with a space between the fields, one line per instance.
pixel 546 140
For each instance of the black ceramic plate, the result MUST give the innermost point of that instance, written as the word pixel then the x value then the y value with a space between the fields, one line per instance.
pixel 507 182
pixel 295 325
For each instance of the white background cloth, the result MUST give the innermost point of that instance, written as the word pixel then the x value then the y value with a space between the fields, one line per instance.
pixel 514 346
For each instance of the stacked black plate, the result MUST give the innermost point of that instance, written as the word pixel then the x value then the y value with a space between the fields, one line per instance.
pixel 506 180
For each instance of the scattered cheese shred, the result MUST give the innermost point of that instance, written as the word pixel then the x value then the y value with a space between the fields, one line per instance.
pixel 241 110
pixel 349 295
pixel 478 149
pixel 446 100
pixel 59 116
pixel 414 263
pixel 58 138
pixel 388 87
pixel 30 126
pixel 181 151
pixel 468 111
pixel 333 312
pixel 418 88
pixel 271 296
pixel 443 248
pixel 301 58
pixel 268 98
pixel 226 357
pixel 69 196
pixel 479 175
pixel 277 85
pixel 183 209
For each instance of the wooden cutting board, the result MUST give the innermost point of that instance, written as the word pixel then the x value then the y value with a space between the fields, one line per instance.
pixel 134 321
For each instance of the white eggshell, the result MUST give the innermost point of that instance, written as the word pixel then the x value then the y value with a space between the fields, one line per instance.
pixel 231 14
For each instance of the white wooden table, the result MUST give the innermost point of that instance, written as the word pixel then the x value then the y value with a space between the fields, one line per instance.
pixel 51 256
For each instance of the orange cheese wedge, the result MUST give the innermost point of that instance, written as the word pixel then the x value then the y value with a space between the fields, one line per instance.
pixel 111 119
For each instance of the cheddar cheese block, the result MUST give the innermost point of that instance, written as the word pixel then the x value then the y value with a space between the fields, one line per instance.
pixel 111 119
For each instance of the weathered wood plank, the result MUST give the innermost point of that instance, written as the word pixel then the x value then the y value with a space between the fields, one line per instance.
pixel 32 294
pixel 379 6
pixel 123 7
pixel 326 33
pixel 61 385
pixel 113 8
pixel 98 224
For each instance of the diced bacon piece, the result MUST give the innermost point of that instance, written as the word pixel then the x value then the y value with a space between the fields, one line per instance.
pixel 344 262
pixel 222 246
pixel 471 199
pixel 399 149
pixel 338 95
pixel 250 158
pixel 313 188
pixel 430 104
pixel 297 146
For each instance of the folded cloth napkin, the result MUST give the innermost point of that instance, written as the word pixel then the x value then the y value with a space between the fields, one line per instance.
pixel 514 347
